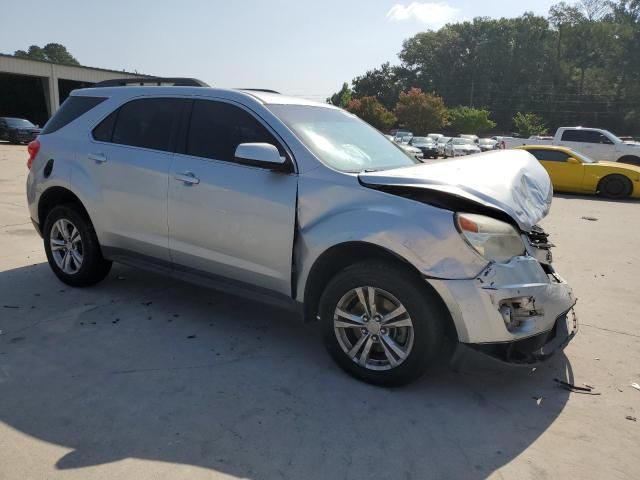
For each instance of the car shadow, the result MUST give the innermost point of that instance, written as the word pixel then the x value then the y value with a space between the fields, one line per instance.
pixel 594 198
pixel 142 366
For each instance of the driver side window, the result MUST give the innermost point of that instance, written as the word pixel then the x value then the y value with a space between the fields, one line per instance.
pixel 217 128
pixel 549 155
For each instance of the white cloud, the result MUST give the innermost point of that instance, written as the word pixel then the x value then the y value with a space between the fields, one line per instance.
pixel 434 15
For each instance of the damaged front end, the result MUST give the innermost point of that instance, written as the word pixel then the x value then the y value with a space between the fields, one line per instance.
pixel 517 309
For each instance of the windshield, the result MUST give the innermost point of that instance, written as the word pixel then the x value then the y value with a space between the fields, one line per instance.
pixel 486 141
pixel 421 140
pixel 19 122
pixel 444 139
pixel 613 137
pixel 340 139
pixel 463 141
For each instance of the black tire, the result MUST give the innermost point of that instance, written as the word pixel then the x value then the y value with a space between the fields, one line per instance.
pixel 94 267
pixel 422 304
pixel 615 186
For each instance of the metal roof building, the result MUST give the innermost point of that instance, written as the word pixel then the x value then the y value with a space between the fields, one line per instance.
pixel 34 89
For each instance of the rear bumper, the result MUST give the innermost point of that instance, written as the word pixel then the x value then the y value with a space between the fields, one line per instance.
pixel 514 307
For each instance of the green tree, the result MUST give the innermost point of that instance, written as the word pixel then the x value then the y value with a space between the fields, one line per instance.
pixel 470 120
pixel 580 64
pixel 527 124
pixel 51 52
pixel 373 112
pixel 384 83
pixel 342 97
pixel 421 112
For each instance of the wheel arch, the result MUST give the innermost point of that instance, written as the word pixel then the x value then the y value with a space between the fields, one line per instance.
pixel 55 196
pixel 340 256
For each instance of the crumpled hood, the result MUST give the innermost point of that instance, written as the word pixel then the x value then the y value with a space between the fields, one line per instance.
pixel 512 181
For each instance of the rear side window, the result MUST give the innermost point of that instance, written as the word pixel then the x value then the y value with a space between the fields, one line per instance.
pixel 104 131
pixel 217 128
pixel 72 108
pixel 549 155
pixel 584 136
pixel 147 123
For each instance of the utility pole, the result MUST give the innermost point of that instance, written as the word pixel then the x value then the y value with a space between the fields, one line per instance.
pixel 473 85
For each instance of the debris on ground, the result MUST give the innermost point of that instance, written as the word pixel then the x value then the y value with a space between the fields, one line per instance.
pixel 120 277
pixel 10 306
pixel 191 336
pixel 591 219
pixel 146 304
pixel 538 400
pixel 633 419
pixel 587 390
pixel 636 386
pixel 115 321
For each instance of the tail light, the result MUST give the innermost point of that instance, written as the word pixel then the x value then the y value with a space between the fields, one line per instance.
pixel 33 149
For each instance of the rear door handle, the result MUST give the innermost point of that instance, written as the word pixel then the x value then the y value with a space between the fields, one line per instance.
pixel 187 177
pixel 98 157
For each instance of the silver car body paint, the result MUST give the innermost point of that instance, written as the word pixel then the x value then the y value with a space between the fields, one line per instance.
pixel 274 223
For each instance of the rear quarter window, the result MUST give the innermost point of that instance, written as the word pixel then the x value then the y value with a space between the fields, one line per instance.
pixel 71 109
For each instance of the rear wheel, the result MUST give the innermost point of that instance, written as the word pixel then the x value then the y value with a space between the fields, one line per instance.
pixel 72 247
pixel 630 159
pixel 381 324
pixel 615 186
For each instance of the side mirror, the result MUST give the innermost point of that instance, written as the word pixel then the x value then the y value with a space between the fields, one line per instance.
pixel 573 161
pixel 260 154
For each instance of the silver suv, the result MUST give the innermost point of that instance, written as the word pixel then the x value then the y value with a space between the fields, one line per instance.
pixel 303 204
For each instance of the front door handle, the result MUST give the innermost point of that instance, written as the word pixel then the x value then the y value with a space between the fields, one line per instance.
pixel 98 157
pixel 187 177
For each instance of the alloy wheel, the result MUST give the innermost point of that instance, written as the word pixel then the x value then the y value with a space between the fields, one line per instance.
pixel 66 246
pixel 373 328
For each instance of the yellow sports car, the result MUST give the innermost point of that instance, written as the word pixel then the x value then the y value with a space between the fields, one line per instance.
pixel 571 171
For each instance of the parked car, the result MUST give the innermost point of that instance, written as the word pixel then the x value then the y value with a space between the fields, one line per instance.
pixel 457 147
pixel 17 130
pixel 413 151
pixel 573 172
pixel 399 133
pixel 426 145
pixel 470 137
pixel 440 144
pixel 305 205
pixel 487 144
pixel 593 142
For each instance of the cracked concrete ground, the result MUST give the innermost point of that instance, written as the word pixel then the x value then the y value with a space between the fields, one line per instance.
pixel 147 378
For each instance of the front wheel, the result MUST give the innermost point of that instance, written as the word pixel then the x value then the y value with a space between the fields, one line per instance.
pixel 72 247
pixel 381 324
pixel 615 186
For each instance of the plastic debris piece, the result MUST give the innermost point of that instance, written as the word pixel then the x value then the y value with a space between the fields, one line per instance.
pixel 633 419
pixel 635 385
pixel 574 388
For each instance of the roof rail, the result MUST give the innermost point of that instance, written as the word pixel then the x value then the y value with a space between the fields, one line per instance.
pixel 266 90
pixel 150 81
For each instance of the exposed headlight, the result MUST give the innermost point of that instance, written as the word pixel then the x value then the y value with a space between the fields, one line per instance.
pixel 494 240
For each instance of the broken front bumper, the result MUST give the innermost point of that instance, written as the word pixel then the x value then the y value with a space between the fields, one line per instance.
pixel 517 311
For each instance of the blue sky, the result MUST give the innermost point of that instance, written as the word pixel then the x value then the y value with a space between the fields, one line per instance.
pixel 297 47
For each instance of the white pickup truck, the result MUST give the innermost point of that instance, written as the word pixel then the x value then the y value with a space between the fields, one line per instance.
pixel 593 142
